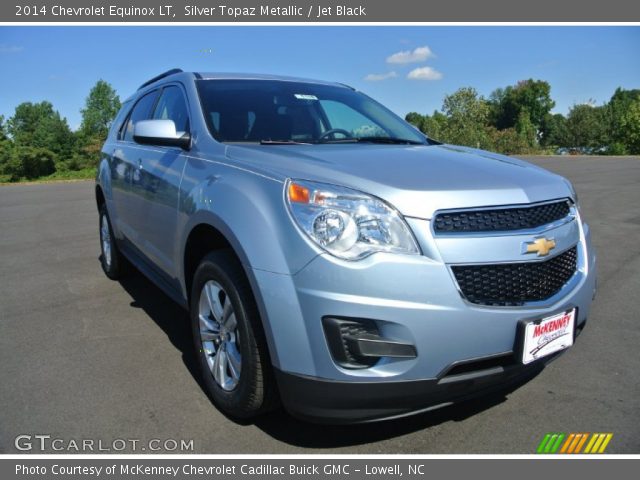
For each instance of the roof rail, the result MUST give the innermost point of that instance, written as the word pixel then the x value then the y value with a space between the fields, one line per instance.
pixel 158 77
pixel 348 86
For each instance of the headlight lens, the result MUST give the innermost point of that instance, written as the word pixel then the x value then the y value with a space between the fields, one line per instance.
pixel 347 223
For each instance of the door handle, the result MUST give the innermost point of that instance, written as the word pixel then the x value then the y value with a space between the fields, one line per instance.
pixel 139 164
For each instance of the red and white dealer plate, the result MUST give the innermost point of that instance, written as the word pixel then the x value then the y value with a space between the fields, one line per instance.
pixel 547 336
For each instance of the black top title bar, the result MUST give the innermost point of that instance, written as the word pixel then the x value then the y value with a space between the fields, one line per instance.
pixel 319 11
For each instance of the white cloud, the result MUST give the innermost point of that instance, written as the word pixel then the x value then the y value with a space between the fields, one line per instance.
pixel 5 48
pixel 419 54
pixel 424 73
pixel 378 77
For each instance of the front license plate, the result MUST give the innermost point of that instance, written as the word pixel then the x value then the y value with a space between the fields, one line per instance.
pixel 547 336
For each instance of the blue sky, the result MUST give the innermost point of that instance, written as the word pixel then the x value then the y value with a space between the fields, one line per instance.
pixel 61 64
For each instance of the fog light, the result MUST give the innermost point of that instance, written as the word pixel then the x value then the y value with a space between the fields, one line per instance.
pixel 356 343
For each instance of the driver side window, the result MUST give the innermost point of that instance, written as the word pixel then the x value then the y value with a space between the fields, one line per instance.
pixel 172 106
pixel 141 111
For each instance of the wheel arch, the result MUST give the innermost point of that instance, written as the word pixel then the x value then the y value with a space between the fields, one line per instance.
pixel 100 198
pixel 208 233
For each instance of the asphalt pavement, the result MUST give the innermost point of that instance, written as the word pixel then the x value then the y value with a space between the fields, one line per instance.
pixel 83 357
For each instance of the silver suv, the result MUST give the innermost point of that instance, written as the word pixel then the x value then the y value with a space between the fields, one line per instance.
pixel 331 257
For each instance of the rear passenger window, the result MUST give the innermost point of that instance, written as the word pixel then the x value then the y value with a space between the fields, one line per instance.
pixel 172 106
pixel 141 111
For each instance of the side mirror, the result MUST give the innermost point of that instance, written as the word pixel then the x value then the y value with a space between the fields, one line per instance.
pixel 160 132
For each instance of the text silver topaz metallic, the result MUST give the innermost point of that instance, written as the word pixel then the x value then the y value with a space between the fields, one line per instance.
pixel 334 259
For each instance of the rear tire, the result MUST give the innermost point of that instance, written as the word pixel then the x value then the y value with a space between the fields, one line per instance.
pixel 229 339
pixel 113 263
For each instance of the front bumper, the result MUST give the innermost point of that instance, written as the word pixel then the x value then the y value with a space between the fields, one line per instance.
pixel 344 402
pixel 413 300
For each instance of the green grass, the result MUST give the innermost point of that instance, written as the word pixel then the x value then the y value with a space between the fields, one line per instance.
pixel 84 174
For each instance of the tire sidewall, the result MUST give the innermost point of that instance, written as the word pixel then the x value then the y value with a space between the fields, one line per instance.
pixel 238 401
pixel 111 270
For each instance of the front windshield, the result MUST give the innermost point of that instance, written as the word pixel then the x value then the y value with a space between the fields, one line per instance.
pixel 272 111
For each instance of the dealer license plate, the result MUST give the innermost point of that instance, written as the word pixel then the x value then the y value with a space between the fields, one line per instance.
pixel 547 336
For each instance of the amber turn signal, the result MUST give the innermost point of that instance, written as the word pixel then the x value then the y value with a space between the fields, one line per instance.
pixel 298 193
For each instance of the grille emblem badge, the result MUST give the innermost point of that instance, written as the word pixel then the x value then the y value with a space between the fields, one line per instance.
pixel 542 246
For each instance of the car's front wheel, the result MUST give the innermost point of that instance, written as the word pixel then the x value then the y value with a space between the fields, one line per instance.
pixel 229 340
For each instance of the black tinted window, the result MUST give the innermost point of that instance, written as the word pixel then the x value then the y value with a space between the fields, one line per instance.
pixel 140 112
pixel 172 106
pixel 263 110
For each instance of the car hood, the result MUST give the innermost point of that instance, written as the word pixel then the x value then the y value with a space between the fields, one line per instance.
pixel 417 180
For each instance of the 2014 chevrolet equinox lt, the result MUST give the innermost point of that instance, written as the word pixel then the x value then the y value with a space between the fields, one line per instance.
pixel 333 257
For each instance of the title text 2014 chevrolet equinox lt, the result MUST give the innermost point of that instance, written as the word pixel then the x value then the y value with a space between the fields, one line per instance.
pixel 330 255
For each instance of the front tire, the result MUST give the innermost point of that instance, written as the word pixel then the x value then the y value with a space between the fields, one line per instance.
pixel 229 339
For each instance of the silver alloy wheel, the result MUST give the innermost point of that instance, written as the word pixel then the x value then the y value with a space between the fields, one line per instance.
pixel 105 238
pixel 219 335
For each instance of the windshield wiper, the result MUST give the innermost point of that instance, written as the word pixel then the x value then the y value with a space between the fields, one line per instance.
pixel 386 140
pixel 391 140
pixel 282 142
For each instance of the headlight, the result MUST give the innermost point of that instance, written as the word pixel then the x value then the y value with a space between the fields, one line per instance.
pixel 347 223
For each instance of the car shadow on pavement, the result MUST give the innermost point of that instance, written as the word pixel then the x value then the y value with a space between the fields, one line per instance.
pixel 174 322
pixel 172 319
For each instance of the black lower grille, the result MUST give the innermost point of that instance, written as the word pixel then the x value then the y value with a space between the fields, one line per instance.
pixel 338 330
pixel 514 284
pixel 501 219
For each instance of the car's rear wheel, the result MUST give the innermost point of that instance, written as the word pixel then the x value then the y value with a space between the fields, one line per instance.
pixel 112 261
pixel 229 340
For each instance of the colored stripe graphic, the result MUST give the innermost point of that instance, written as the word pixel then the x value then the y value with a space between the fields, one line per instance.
pixel 556 445
pixel 598 443
pixel 573 443
pixel 568 442
pixel 581 442
pixel 543 443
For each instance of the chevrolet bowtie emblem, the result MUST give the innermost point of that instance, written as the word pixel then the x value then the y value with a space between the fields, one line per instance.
pixel 541 246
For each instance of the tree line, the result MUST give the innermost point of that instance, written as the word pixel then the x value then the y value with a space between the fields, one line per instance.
pixel 37 141
pixel 518 120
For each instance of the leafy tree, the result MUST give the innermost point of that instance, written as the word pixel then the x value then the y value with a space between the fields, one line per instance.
pixel 630 127
pixel 6 150
pixel 435 126
pixel 518 119
pixel 101 107
pixel 414 119
pixel 554 130
pixel 6 146
pixel 507 141
pixel 526 131
pixel 587 128
pixel 531 96
pixel 3 129
pixel 30 162
pixel 39 125
pixel 467 113
pixel 621 103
